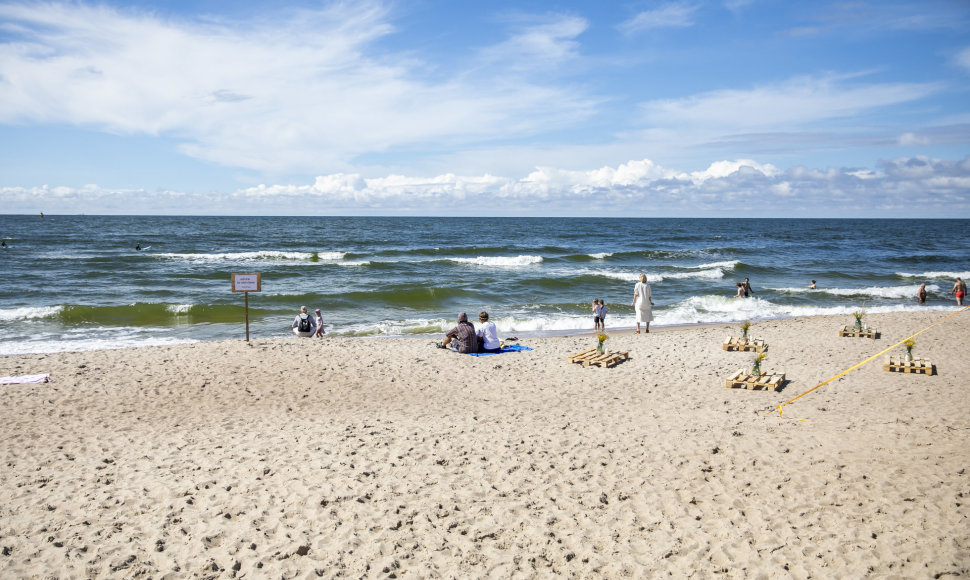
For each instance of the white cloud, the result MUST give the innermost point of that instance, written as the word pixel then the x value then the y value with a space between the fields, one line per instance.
pixel 721 169
pixel 909 139
pixel 962 58
pixel 290 93
pixel 673 15
pixel 542 45
pixel 799 102
pixel 933 187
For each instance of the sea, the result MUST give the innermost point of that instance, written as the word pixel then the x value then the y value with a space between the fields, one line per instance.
pixel 83 282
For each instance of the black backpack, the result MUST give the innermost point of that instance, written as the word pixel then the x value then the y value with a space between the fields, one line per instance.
pixel 304 323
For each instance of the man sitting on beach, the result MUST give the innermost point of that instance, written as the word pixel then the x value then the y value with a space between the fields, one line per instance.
pixel 463 335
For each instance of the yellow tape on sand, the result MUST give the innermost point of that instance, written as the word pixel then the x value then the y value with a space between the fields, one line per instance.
pixel 868 360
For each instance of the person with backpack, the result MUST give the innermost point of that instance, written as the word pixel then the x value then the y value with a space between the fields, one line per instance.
pixel 303 324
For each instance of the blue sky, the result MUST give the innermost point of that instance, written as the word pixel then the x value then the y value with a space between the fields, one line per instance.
pixel 753 108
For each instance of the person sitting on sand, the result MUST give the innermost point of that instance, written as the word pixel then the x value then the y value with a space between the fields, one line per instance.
pixel 488 334
pixel 303 324
pixel 921 293
pixel 463 335
pixel 959 290
pixel 320 331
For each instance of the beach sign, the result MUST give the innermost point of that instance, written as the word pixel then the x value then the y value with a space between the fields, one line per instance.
pixel 246 283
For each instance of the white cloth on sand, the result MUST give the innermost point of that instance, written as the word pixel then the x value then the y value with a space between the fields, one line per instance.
pixel 643 295
pixel 46 377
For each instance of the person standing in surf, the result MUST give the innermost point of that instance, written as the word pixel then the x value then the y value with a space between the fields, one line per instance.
pixel 959 290
pixel 642 303
pixel 921 293
pixel 746 286
pixel 320 331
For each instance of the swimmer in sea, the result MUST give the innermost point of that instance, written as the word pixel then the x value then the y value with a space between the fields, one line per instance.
pixel 921 293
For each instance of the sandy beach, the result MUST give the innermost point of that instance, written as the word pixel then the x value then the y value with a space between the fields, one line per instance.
pixel 389 458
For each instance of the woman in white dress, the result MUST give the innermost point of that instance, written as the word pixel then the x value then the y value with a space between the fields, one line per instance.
pixel 642 302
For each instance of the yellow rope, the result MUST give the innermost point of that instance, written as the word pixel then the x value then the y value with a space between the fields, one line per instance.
pixel 868 360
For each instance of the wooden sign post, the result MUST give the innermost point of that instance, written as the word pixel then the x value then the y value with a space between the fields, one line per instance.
pixel 246 283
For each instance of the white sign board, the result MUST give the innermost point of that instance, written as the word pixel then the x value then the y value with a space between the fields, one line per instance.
pixel 245 283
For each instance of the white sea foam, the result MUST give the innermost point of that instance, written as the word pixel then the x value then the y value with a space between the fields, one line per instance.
pixel 707 309
pixel 255 256
pixel 355 263
pixel 927 275
pixel 600 255
pixel 871 291
pixel 500 261
pixel 179 308
pixel 730 265
pixel 653 278
pixel 78 340
pixel 28 313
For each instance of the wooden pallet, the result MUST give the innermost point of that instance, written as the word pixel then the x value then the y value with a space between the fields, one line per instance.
pixel 744 344
pixel 591 357
pixel 852 332
pixel 743 380
pixel 896 364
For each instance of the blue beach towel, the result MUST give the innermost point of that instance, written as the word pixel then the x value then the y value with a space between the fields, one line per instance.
pixel 504 349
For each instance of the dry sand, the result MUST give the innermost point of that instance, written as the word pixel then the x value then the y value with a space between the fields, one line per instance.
pixel 298 458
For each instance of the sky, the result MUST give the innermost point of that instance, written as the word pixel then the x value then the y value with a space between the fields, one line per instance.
pixel 634 108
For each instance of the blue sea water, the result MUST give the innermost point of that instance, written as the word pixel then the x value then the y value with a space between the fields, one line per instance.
pixel 78 283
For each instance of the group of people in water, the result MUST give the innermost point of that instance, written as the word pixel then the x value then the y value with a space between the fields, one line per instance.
pixel 959 291
pixel 745 291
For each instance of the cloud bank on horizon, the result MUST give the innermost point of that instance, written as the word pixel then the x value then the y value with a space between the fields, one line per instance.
pixel 740 107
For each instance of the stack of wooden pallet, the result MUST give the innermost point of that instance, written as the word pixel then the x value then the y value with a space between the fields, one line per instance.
pixel 744 380
pixel 895 364
pixel 606 359
pixel 853 332
pixel 744 344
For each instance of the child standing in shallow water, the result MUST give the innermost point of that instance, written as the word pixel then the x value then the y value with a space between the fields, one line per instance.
pixel 596 314
pixel 320 331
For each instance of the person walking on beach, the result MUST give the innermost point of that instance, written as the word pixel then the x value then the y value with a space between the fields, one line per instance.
pixel 603 310
pixel 746 286
pixel 921 293
pixel 959 290
pixel 642 302
pixel 320 331
pixel 463 335
pixel 303 324
pixel 596 314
